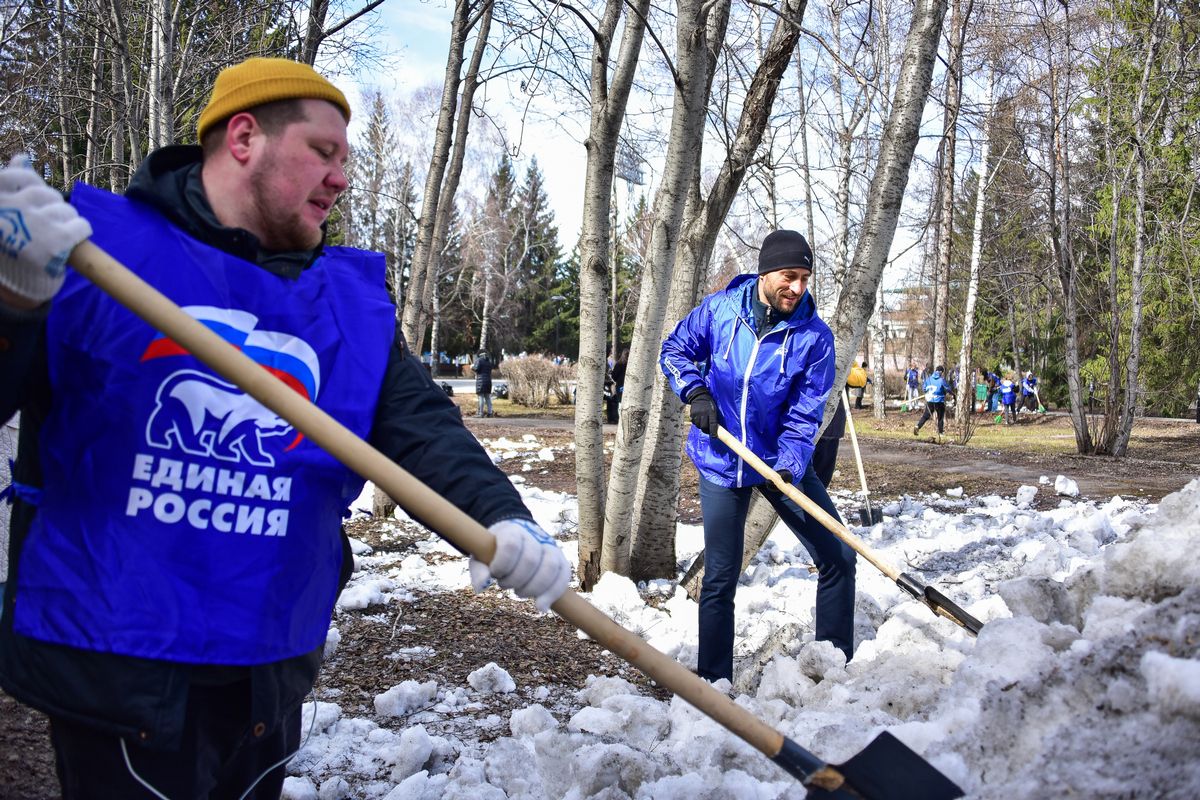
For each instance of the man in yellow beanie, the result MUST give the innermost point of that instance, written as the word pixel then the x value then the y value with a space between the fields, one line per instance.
pixel 175 553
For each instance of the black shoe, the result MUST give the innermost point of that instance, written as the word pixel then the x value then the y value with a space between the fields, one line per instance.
pixel 916 430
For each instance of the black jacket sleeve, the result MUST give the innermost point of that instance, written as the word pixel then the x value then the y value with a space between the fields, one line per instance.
pixel 22 337
pixel 418 427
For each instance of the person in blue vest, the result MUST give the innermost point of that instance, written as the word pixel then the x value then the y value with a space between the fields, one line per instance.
pixel 992 381
pixel 756 359
pixel 936 389
pixel 1008 399
pixel 176 548
pixel 1029 392
pixel 911 384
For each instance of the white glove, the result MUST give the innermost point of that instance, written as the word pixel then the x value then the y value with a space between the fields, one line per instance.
pixel 38 230
pixel 527 561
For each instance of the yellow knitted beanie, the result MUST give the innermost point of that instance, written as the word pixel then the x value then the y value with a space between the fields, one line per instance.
pixel 261 80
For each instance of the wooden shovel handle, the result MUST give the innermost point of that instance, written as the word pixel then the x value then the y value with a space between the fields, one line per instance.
pixel 812 509
pixel 417 498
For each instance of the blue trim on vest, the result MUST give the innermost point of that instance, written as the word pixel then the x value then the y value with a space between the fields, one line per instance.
pixel 15 489
pixel 192 524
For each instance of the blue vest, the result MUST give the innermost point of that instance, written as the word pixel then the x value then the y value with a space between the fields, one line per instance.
pixel 180 519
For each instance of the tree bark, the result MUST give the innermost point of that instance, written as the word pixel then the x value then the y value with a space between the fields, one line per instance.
pixel 965 406
pixel 654 517
pixel 886 193
pixel 1143 125
pixel 941 303
pixel 693 74
pixel 412 319
pixel 449 188
pixel 608 103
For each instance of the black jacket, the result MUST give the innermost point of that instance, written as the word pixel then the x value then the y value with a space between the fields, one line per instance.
pixel 415 424
pixel 483 375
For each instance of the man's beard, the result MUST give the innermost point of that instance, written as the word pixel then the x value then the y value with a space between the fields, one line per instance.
pixel 282 231
pixel 776 303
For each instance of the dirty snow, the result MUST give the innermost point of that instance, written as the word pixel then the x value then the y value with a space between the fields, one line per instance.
pixel 1084 682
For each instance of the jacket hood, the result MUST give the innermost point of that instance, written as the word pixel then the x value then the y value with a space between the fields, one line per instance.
pixel 169 180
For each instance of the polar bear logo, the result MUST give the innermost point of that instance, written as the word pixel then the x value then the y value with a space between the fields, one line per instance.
pixel 208 417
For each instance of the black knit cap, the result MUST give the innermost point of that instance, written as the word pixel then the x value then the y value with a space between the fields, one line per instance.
pixel 784 250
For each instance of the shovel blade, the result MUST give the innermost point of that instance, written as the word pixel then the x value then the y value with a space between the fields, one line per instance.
pixel 870 516
pixel 887 769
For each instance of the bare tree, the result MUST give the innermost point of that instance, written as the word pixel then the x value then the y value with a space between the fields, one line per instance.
pixel 886 193
pixel 467 15
pixel 692 76
pixel 609 96
pixel 947 157
pixel 965 406
pixel 654 514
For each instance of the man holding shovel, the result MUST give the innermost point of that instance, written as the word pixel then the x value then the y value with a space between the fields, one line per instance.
pixel 756 359
pixel 175 551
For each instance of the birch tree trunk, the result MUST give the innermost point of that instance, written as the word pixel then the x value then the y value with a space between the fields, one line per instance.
pixel 692 80
pixel 816 284
pixel 423 252
pixel 608 103
pixel 1060 238
pixel 878 334
pixel 64 120
pixel 886 193
pixel 92 131
pixel 449 188
pixel 941 303
pixel 1143 125
pixel 965 406
pixel 656 501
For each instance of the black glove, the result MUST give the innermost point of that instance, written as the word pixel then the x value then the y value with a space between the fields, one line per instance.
pixel 704 411
pixel 785 475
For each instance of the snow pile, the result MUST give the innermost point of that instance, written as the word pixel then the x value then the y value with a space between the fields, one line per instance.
pixel 1085 680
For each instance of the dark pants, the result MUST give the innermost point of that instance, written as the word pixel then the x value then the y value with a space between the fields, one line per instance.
pixel 1010 412
pixel 824 459
pixel 219 758
pixel 939 409
pixel 612 407
pixel 724 510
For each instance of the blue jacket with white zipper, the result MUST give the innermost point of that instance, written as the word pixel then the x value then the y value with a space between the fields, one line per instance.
pixel 769 391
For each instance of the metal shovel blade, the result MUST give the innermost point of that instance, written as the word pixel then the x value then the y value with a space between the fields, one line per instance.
pixel 870 516
pixel 887 769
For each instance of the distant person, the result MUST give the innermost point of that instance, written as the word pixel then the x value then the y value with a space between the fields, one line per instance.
pixel 616 387
pixel 483 384
pixel 912 385
pixel 824 457
pixel 992 382
pixel 857 380
pixel 755 358
pixel 1008 399
pixel 936 388
pixel 1029 392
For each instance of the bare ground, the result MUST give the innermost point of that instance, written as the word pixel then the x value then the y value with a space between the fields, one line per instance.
pixel 465 631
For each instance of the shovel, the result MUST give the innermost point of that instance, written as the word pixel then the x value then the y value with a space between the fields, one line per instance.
pixel 938 602
pixel 868 516
pixel 885 770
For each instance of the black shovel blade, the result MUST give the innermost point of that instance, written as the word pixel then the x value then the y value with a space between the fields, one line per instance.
pixel 887 769
pixel 939 602
pixel 870 516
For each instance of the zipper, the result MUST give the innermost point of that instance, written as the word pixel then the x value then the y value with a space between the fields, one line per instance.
pixel 746 395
